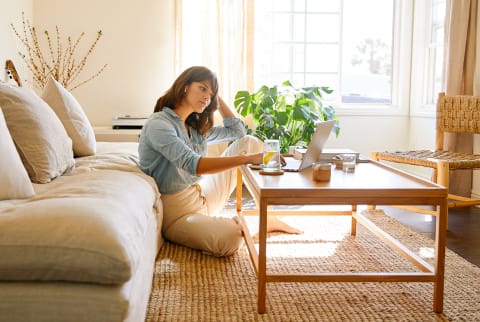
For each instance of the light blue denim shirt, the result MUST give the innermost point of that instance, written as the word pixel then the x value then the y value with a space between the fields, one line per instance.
pixel 171 157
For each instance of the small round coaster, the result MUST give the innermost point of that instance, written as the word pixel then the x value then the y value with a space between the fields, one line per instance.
pixel 271 173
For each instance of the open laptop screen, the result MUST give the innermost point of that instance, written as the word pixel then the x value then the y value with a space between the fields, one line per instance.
pixel 319 138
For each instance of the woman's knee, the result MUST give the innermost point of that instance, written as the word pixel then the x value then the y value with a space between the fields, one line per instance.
pixel 214 235
pixel 244 145
pixel 251 143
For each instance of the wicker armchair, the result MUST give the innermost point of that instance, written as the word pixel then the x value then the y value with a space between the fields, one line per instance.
pixel 455 114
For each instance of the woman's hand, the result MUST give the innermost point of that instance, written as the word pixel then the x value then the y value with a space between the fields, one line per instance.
pixel 258 159
pixel 255 158
pixel 208 165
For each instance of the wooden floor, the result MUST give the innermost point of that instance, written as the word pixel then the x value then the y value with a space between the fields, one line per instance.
pixel 463 235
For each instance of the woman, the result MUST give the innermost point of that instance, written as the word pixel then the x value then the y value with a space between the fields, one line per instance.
pixel 173 150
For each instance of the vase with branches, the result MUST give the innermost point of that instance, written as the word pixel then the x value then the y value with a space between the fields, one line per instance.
pixel 60 61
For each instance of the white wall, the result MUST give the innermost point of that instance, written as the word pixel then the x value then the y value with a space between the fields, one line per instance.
pixel 139 47
pixel 371 133
pixel 11 12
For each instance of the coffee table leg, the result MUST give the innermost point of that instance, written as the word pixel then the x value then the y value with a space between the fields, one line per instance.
pixel 440 236
pixel 262 258
pixel 353 228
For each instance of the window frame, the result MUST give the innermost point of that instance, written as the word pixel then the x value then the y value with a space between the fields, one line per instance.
pixel 401 71
pixel 422 62
pixel 401 68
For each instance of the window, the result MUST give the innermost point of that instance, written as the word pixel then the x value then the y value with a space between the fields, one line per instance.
pixel 427 59
pixel 435 50
pixel 381 57
pixel 343 44
pixel 434 57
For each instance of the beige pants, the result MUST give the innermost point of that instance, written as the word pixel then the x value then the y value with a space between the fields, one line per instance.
pixel 190 217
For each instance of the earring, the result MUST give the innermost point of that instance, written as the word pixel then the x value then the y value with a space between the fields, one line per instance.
pixel 185 91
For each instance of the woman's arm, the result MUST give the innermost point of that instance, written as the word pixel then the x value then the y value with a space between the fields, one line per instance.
pixel 224 109
pixel 233 127
pixel 209 165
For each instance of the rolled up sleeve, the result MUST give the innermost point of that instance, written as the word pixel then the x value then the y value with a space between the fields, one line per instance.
pixel 233 128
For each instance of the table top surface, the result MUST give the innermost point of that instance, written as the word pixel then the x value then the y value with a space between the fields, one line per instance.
pixel 368 179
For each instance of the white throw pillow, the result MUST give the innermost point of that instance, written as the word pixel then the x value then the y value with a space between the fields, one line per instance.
pixel 15 183
pixel 72 116
pixel 40 138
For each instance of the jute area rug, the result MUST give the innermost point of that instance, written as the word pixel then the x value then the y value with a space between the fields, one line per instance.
pixel 191 286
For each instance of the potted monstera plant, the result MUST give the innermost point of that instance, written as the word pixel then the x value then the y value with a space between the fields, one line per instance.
pixel 286 113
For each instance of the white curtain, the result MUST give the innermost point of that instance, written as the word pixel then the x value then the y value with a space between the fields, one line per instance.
pixel 460 71
pixel 217 34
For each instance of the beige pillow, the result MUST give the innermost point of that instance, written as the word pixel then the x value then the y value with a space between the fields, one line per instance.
pixel 15 183
pixel 72 116
pixel 40 138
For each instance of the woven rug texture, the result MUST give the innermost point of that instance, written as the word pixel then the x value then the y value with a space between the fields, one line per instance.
pixel 191 286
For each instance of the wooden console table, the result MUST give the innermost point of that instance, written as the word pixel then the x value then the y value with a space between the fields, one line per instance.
pixel 107 134
pixel 372 183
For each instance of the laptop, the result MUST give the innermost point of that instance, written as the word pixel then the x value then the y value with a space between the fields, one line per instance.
pixel 319 138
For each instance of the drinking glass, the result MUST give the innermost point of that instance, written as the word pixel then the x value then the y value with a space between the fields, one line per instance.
pixel 349 160
pixel 271 156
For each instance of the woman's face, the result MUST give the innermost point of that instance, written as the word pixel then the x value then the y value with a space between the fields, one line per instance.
pixel 199 95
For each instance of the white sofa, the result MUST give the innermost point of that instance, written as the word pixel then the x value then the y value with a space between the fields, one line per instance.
pixel 78 234
pixel 83 248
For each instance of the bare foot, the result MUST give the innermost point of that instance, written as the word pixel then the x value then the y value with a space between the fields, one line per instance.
pixel 276 225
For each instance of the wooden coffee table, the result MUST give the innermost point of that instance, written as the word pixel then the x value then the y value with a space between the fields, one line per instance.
pixel 372 183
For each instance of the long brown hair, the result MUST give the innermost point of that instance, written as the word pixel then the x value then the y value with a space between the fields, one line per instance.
pixel 202 122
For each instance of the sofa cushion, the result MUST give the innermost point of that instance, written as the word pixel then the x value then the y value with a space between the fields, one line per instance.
pixel 40 138
pixel 89 225
pixel 72 116
pixel 15 183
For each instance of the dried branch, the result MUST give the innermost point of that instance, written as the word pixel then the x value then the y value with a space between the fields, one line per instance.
pixel 61 63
